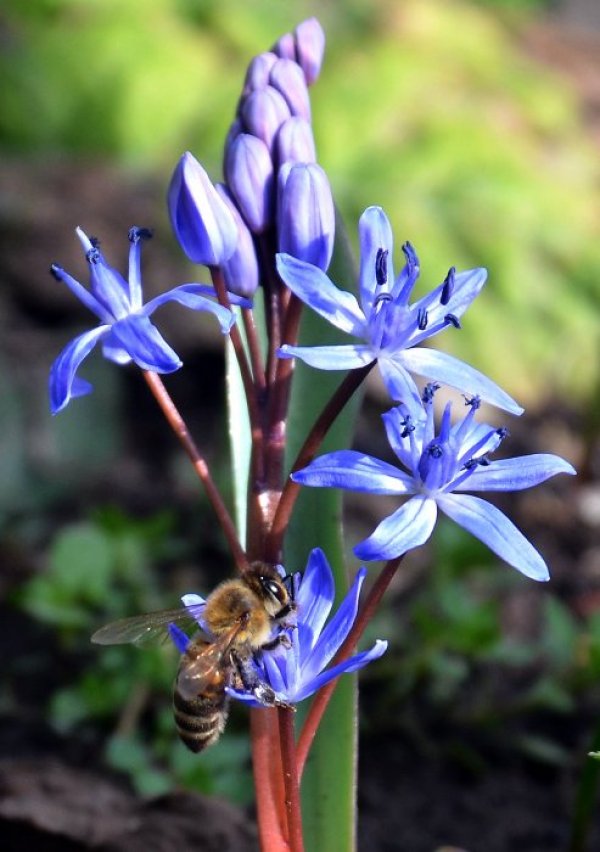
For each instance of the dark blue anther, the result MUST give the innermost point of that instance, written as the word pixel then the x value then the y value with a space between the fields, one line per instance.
pixel 381 267
pixel 410 254
pixel 95 241
pixel 473 402
pixel 136 234
pixel 422 318
pixel 383 297
pixel 448 286
pixel 55 272
pixel 93 255
pixel 429 391
pixel 436 451
pixel 407 426
pixel 451 319
pixel 484 461
pixel 470 464
pixel 502 432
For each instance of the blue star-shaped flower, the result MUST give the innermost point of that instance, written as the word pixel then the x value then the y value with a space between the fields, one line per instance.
pixel 297 671
pixel 390 326
pixel 438 469
pixel 126 332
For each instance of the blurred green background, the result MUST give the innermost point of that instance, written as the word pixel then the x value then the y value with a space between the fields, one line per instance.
pixel 455 118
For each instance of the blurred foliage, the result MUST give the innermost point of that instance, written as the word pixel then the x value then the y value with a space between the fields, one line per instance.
pixel 478 153
pixel 98 571
pixel 451 650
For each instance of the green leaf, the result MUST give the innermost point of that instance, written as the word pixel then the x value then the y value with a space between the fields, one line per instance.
pixel 329 783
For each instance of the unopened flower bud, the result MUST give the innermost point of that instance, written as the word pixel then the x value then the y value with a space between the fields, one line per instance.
pixel 257 75
pixel 241 270
pixel 310 47
pixel 202 223
pixel 263 112
pixel 288 78
pixel 295 142
pixel 285 47
pixel 306 215
pixel 249 174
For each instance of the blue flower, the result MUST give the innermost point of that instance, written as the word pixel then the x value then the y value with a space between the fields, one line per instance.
pixel 390 327
pixel 438 469
pixel 297 671
pixel 126 332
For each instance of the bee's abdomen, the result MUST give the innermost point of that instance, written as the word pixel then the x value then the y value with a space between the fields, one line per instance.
pixel 200 721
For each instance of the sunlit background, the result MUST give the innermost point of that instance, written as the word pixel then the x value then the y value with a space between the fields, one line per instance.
pixel 476 126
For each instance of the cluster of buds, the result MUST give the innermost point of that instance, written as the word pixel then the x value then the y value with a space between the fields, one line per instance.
pixel 274 191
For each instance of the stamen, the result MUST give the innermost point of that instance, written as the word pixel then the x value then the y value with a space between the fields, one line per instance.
pixel 474 402
pixel 410 255
pixel 407 426
pixel 136 234
pixel 381 267
pixel 502 432
pixel 95 241
pixel 429 391
pixel 436 451
pixel 448 286
pixel 422 319
pixel 382 297
pixel 93 255
pixel 451 319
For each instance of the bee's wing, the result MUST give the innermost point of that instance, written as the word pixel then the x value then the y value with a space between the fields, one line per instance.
pixel 207 664
pixel 146 629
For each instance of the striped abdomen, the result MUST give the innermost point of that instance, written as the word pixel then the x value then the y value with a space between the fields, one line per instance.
pixel 200 703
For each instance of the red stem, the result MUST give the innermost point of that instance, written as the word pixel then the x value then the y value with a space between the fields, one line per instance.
pixel 178 425
pixel 290 779
pixel 321 700
pixel 268 772
pixel 307 452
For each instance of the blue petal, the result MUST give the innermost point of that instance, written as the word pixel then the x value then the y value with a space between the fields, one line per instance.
pixel 345 357
pixel 375 234
pixel 492 527
pixel 407 448
pixel 114 352
pixel 408 527
pixel 315 289
pixel 355 472
pixel 442 367
pixel 195 296
pixel 335 631
pixel 180 639
pixel 516 474
pixel 400 384
pixel 347 666
pixel 64 385
pixel 142 340
pixel 314 599
pixel 467 286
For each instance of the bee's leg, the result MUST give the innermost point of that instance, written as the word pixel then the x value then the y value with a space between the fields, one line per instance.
pixel 281 639
pixel 252 683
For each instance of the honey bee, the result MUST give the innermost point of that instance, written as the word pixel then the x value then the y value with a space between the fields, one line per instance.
pixel 240 616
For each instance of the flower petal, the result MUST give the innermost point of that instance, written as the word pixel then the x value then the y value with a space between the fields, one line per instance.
pixel 314 600
pixel 492 527
pixel 517 473
pixel 64 385
pixel 335 631
pixel 408 527
pixel 345 667
pixel 442 367
pixel 400 384
pixel 143 341
pixel 345 357
pixel 315 289
pixel 197 297
pixel 375 235
pixel 355 472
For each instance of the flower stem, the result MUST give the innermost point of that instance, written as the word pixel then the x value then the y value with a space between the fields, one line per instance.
pixel 178 425
pixel 290 778
pixel 310 446
pixel 267 769
pixel 321 700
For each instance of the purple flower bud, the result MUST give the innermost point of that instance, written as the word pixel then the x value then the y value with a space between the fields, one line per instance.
pixel 285 47
pixel 305 215
pixel 263 112
pixel 202 223
pixel 288 78
pixel 295 142
pixel 241 270
pixel 249 174
pixel 257 75
pixel 310 47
